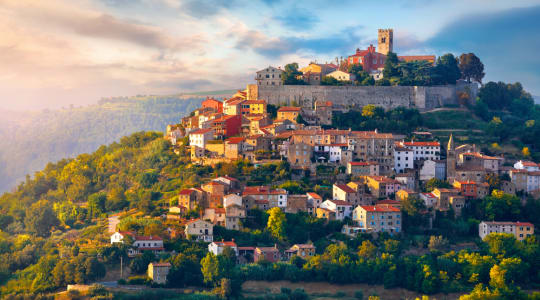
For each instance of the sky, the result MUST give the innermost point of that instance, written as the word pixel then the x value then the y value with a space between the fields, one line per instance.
pixel 57 53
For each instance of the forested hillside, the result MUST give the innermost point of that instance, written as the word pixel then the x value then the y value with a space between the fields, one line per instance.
pixel 31 139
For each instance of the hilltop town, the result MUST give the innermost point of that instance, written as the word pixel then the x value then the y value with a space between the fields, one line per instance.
pixel 323 174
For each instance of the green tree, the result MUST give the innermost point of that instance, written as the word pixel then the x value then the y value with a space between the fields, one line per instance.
pixel 447 69
pixel 210 269
pixel 96 204
pixel 471 67
pixel 436 183
pixel 276 223
pixel 367 250
pixel 391 66
pixel 291 75
pixel 328 80
pixel 501 206
pixel 40 218
pixel 67 212
pixel 368 110
pixel 300 120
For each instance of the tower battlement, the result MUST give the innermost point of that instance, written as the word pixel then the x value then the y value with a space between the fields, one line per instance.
pixel 386 40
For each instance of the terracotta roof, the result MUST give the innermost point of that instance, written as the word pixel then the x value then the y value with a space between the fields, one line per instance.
pixel 345 188
pixel 389 201
pixel 409 58
pixel 267 249
pixel 229 178
pixel 509 223
pixel 234 140
pixel 165 264
pixel 314 195
pixel 186 192
pixel 255 102
pixel 482 156
pixel 246 248
pixel 384 179
pixel 429 195
pixel 234 102
pixel 422 144
pixel 529 164
pixel 289 108
pixel 195 220
pixel 340 202
pixel 302 246
pixel 225 243
pixel 211 100
pixel 363 163
pixel 214 183
pixel 466 182
pixel 380 208
pixel 201 131
pixel 148 238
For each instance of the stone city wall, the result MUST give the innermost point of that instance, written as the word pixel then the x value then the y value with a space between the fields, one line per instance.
pixel 420 97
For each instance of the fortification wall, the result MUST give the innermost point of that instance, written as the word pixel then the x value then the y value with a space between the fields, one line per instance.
pixel 422 98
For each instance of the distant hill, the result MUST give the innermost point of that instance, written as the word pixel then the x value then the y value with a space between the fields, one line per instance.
pixel 536 99
pixel 32 139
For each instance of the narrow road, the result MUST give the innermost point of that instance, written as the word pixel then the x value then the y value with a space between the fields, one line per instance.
pixel 113 221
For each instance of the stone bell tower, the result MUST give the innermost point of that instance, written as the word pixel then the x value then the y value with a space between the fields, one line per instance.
pixel 386 41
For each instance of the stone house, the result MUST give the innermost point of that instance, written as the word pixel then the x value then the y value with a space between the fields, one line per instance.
pixel 200 230
pixel 158 272
pixel 378 218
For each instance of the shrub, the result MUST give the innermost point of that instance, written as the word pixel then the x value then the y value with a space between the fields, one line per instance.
pixel 359 295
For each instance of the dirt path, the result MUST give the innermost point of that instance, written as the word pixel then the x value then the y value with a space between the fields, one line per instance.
pixel 324 290
pixel 113 221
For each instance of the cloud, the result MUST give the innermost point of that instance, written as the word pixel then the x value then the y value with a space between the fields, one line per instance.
pixel 508 42
pixel 298 19
pixel 205 8
pixel 343 41
pixel 95 24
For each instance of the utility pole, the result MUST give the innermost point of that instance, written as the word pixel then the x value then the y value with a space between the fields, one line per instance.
pixel 121 267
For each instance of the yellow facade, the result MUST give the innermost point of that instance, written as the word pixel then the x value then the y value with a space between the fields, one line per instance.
pixel 257 108
pixel 313 68
pixel 523 231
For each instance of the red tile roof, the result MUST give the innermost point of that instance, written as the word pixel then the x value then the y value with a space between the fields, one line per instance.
pixel 340 202
pixel 165 264
pixel 482 156
pixel 148 238
pixel 235 140
pixel 389 201
pixel 529 164
pixel 409 58
pixel 422 144
pixel 345 188
pixel 363 163
pixel 201 131
pixel 289 108
pixel 314 195
pixel 186 192
pixel 226 243
pixel 255 102
pixel 380 208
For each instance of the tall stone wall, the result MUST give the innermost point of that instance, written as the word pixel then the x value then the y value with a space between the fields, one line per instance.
pixel 422 98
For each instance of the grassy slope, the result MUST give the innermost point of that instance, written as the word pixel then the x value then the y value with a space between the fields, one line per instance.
pixel 465 126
